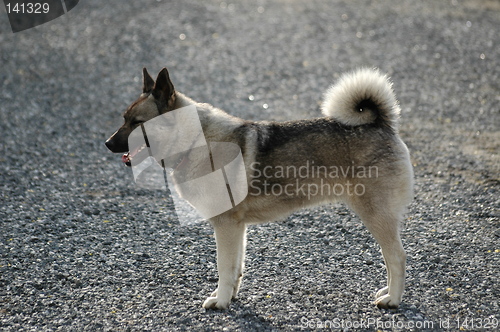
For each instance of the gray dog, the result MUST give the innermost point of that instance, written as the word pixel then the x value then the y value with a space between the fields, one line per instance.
pixel 353 154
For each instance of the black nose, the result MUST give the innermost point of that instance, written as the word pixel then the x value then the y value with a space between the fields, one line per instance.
pixel 110 145
pixel 114 146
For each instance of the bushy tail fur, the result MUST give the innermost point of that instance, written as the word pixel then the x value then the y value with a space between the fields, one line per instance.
pixel 362 97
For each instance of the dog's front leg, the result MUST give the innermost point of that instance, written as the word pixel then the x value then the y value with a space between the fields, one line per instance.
pixel 230 237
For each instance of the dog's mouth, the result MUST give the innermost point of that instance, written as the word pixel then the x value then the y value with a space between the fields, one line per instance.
pixel 127 157
pixel 177 162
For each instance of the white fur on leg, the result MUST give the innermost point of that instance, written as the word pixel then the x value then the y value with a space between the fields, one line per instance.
pixel 395 258
pixel 230 239
pixel 385 229
pixel 382 291
pixel 240 263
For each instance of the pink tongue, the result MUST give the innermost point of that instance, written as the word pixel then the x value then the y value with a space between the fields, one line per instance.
pixel 126 158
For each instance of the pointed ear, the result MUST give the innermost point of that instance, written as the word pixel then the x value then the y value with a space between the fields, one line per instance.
pixel 148 82
pixel 163 87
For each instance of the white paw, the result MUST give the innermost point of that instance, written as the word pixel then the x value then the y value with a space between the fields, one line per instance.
pixel 215 303
pixel 382 291
pixel 387 302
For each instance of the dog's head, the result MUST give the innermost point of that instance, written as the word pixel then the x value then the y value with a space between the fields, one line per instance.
pixel 158 97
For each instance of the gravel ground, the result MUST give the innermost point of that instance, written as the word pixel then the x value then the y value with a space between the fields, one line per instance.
pixel 81 248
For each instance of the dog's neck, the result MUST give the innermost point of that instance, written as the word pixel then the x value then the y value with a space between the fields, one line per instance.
pixel 181 100
pixel 217 125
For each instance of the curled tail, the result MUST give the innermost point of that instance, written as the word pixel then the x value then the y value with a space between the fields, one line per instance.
pixel 362 97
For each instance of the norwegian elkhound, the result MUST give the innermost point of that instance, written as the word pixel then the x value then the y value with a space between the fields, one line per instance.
pixel 352 154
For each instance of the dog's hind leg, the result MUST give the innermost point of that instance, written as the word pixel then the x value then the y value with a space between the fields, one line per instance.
pixel 385 230
pixel 230 238
pixel 384 226
pixel 395 263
